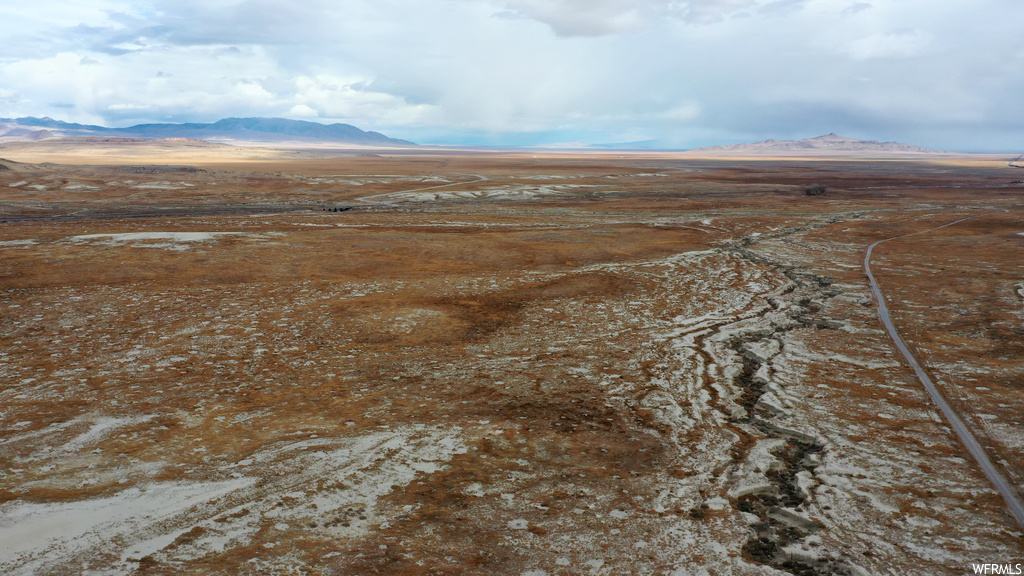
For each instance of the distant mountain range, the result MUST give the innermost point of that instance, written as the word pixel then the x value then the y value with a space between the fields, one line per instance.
pixel 226 130
pixel 277 130
pixel 827 143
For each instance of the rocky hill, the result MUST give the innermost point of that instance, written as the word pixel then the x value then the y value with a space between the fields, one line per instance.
pixel 827 143
pixel 15 133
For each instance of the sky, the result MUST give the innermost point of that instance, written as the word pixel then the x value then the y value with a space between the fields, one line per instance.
pixel 944 74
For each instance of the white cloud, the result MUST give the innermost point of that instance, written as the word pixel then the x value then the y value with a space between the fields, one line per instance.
pixel 602 17
pixel 856 8
pixel 683 111
pixel 588 17
pixel 123 107
pixel 894 44
pixel 354 98
pixel 515 70
pixel 301 111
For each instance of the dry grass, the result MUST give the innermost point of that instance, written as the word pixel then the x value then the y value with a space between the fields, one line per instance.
pixel 494 385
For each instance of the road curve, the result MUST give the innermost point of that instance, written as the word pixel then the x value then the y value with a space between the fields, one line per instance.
pixel 1013 501
pixel 479 178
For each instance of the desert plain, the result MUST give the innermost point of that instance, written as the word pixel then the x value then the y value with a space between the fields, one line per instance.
pixel 224 360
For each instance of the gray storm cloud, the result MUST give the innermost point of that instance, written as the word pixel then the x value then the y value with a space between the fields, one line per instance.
pixel 678 72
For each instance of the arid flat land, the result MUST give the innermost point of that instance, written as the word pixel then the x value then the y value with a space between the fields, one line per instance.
pixel 217 360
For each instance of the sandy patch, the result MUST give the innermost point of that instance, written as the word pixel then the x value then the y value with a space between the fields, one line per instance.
pixel 322 485
pixel 168 240
pixel 163 185
pixel 509 192
pixel 35 536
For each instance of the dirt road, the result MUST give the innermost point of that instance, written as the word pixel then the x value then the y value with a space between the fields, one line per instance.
pixel 970 442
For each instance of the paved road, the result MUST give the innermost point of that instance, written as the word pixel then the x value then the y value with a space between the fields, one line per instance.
pixel 1013 501
pixel 479 178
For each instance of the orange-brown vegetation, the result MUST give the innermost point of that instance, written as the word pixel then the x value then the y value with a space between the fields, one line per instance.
pixel 497 363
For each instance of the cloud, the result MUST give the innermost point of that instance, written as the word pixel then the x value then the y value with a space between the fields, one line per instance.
pixel 685 72
pixel 856 8
pixel 124 107
pixel 354 98
pixel 8 96
pixel 683 111
pixel 301 111
pixel 603 17
pixel 589 17
pixel 893 44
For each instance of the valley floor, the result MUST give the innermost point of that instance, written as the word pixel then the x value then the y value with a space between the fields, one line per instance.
pixel 499 364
